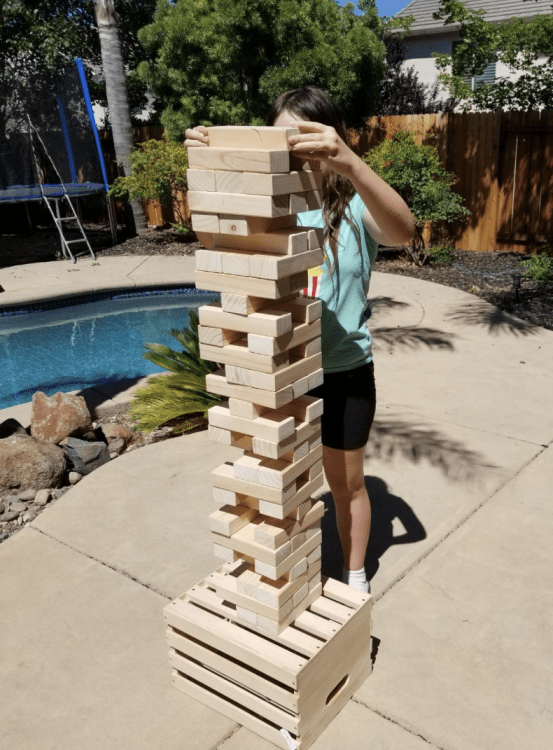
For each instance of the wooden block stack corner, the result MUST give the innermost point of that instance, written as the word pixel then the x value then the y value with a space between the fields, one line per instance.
pixel 264 639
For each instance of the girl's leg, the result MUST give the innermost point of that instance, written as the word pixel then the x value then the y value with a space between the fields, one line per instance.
pixel 345 475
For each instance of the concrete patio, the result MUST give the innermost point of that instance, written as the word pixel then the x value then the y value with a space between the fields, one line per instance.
pixel 459 468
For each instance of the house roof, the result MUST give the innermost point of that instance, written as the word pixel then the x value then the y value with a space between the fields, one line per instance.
pixel 496 12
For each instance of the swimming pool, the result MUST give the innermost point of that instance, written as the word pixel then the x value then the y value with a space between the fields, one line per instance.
pixel 68 345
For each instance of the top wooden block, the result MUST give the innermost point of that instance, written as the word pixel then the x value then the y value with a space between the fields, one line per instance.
pixel 246 137
pixel 240 160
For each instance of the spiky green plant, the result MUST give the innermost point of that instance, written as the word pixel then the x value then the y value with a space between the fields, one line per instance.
pixel 183 392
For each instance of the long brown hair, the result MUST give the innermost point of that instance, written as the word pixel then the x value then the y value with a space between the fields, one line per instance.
pixel 313 104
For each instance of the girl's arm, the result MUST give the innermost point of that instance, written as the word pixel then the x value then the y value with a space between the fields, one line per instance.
pixel 388 218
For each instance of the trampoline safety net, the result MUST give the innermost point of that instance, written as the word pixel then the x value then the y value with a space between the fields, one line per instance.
pixel 60 116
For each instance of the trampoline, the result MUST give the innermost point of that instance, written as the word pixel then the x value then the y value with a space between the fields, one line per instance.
pixel 50 152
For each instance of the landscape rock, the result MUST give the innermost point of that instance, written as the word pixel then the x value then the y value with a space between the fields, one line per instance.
pixel 42 497
pixel 2 508
pixel 74 477
pixel 85 457
pixel 27 517
pixel 56 417
pixel 18 506
pixel 116 446
pixel 115 432
pixel 9 515
pixel 27 463
pixel 10 427
pixel 27 496
pixel 113 455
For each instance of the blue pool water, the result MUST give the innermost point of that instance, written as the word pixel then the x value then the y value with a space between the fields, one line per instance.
pixel 83 345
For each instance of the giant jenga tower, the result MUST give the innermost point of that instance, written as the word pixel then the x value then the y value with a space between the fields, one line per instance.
pixel 264 639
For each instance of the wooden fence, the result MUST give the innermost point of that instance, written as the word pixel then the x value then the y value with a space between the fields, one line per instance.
pixel 504 162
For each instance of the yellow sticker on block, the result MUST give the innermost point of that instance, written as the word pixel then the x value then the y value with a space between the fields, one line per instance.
pixel 317 271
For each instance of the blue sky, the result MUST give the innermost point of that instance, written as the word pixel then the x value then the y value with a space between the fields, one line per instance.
pixel 387 7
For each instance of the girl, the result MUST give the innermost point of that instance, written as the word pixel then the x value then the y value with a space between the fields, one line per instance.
pixel 360 211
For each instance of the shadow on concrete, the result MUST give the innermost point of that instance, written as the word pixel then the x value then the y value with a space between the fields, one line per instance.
pixel 380 304
pixel 385 509
pixel 391 438
pixel 96 395
pixel 412 338
pixel 480 313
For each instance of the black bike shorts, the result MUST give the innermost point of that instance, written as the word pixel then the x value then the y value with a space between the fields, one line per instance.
pixel 349 404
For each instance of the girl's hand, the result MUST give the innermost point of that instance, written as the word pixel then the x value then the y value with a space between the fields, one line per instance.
pixel 196 136
pixel 322 143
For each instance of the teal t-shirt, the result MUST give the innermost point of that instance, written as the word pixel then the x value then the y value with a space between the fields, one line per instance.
pixel 345 338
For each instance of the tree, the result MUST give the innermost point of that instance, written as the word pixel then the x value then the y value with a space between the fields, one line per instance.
pixel 39 37
pixel 224 61
pixel 116 89
pixel 517 43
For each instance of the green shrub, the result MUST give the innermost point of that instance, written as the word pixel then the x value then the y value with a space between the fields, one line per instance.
pixel 440 254
pixel 183 393
pixel 416 174
pixel 158 172
pixel 538 268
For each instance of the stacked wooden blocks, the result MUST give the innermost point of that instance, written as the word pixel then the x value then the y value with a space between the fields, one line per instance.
pixel 266 610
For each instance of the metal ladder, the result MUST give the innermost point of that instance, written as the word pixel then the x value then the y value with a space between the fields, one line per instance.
pixel 58 220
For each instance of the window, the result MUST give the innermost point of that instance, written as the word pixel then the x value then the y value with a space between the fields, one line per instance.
pixel 487 77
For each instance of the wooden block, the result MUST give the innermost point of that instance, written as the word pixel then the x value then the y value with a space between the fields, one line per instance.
pixel 308 349
pixel 300 595
pixel 241 304
pixel 274 532
pixel 302 510
pixel 224 497
pixel 270 345
pixel 267 206
pixel 205 222
pixel 268 184
pixel 237 354
pixel 219 436
pixel 246 467
pixel 242 542
pixel 305 408
pixel 207 239
pixel 301 386
pixel 244 409
pixel 310 547
pixel 236 263
pixel 271 426
pixel 274 267
pixel 216 382
pixel 244 285
pixel 276 628
pixel 265 322
pixel 229 519
pixel 303 309
pixel 316 378
pixel 287 241
pixel 315 237
pixel 217 336
pixel 307 165
pixel 209 260
pixel 304 490
pixel 315 554
pixel 250 137
pixel 245 616
pixel 313 200
pixel 239 225
pixel 238 160
pixel 284 377
pixel 224 477
pixel 279 473
pixel 297 204
pixel 201 179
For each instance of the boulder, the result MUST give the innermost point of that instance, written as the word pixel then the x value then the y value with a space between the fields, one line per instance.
pixel 113 432
pixel 56 417
pixel 26 463
pixel 42 497
pixel 10 427
pixel 84 457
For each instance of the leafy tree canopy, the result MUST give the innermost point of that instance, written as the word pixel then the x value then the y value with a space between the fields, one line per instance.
pixel 517 42
pixel 224 61
pixel 39 37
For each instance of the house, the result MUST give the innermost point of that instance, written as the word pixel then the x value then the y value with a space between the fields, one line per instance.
pixel 429 35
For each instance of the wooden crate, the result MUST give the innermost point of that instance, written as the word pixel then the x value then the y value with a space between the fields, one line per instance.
pixel 297 681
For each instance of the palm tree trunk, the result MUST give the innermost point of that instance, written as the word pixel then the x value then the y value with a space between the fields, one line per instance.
pixel 117 95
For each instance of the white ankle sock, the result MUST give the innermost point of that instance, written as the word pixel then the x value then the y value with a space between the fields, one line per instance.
pixel 357 579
